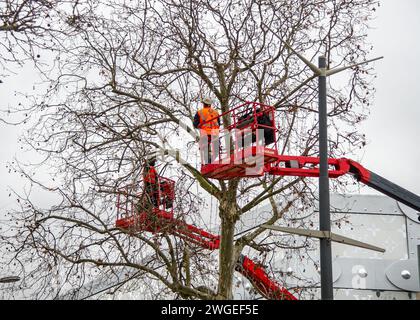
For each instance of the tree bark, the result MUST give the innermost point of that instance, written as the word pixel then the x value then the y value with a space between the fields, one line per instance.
pixel 227 257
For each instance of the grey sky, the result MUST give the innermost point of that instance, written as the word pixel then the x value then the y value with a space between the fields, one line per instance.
pixel 392 129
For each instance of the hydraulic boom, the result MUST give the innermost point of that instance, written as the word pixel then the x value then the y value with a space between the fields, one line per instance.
pixel 308 167
pixel 160 221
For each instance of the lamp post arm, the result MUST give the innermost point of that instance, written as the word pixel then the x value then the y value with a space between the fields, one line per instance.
pixel 337 70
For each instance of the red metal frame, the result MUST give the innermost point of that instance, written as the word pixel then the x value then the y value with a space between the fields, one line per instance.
pixel 309 167
pixel 159 218
pixel 235 160
pixel 255 160
pixel 159 221
pixel 130 195
pixel 306 166
pixel 257 275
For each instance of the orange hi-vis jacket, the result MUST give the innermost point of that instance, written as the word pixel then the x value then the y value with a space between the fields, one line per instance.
pixel 210 127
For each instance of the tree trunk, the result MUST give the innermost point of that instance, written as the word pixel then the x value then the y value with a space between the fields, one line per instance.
pixel 229 216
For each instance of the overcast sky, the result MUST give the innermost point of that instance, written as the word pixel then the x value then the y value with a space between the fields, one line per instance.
pixel 392 129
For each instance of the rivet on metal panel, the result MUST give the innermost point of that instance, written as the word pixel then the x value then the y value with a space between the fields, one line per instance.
pixel 363 273
pixel 406 274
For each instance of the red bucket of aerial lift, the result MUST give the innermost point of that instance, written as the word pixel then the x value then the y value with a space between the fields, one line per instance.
pixel 141 207
pixel 245 146
pixel 137 202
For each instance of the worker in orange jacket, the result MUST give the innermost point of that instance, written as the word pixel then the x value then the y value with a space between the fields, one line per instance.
pixel 151 182
pixel 208 121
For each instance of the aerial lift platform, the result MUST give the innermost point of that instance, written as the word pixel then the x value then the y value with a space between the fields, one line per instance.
pixel 258 155
pixel 135 214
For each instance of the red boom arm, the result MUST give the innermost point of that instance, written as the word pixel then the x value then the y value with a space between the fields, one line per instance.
pixel 308 167
pixel 161 221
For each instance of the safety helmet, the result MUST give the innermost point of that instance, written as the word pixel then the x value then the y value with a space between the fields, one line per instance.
pixel 207 100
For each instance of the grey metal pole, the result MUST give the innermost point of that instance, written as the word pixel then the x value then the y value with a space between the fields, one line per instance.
pixel 324 192
pixel 418 260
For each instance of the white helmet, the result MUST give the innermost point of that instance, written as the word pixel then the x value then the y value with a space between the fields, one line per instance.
pixel 207 100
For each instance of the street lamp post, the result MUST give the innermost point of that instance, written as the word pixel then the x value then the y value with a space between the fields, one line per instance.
pixel 324 189
pixel 322 72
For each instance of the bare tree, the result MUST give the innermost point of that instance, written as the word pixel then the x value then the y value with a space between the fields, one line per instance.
pixel 127 83
pixel 24 29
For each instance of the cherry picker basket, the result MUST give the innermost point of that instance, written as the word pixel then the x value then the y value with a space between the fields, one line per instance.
pixel 245 146
pixel 141 206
